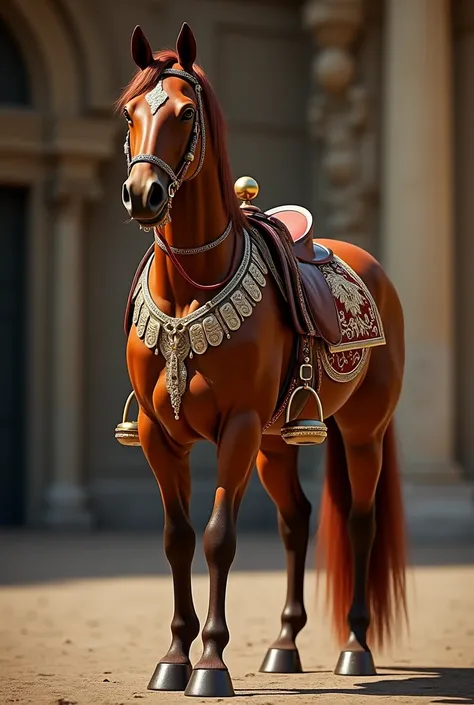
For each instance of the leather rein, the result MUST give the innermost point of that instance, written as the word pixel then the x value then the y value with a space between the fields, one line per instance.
pixel 177 179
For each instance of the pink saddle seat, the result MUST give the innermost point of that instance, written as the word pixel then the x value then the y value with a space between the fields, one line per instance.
pixel 297 219
pixel 299 223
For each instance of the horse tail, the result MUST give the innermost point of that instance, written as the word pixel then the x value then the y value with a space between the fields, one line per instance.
pixel 386 584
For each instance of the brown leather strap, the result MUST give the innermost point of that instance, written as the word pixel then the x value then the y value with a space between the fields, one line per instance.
pixel 127 322
pixel 305 352
pixel 292 381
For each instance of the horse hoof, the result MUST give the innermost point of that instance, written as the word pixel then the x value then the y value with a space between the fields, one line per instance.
pixel 281 661
pixel 355 663
pixel 210 683
pixel 170 676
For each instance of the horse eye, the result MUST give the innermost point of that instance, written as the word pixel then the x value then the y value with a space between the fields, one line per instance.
pixel 187 114
pixel 127 116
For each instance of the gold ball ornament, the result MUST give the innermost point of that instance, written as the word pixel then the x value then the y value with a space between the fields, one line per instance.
pixel 246 189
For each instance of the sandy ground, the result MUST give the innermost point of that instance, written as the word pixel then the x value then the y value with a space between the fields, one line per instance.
pixel 84 620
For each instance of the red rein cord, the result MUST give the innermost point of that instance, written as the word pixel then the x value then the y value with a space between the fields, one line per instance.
pixel 202 287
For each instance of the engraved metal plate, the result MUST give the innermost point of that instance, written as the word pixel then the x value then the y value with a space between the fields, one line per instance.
pixel 230 316
pixel 137 307
pixel 198 339
pixel 251 288
pixel 257 274
pixel 142 321
pixel 152 331
pixel 157 97
pixel 241 303
pixel 213 330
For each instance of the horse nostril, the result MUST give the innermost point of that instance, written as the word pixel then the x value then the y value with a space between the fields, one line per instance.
pixel 125 194
pixel 155 195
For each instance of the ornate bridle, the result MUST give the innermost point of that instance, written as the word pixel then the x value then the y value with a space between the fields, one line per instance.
pixel 156 98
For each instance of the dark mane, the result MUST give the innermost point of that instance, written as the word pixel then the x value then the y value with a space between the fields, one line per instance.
pixel 146 80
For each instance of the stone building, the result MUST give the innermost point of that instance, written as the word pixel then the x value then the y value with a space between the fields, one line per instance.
pixel 364 114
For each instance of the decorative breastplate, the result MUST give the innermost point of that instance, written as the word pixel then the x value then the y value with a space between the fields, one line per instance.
pixel 178 338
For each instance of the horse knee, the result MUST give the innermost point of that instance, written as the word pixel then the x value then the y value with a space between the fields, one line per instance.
pixel 364 463
pixel 179 540
pixel 219 538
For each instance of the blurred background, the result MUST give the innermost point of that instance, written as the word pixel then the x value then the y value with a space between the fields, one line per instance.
pixel 360 110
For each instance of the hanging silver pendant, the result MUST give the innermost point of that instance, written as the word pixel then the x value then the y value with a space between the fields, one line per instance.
pixel 175 347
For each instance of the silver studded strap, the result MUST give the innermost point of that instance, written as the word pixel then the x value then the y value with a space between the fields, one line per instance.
pixel 195 250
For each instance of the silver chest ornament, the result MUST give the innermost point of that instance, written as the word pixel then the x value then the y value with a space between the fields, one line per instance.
pixel 179 338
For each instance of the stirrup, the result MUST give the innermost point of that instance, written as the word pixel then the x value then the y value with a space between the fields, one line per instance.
pixel 304 432
pixel 126 432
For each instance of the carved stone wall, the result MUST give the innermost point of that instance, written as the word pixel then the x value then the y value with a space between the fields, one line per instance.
pixel 55 146
pixel 340 117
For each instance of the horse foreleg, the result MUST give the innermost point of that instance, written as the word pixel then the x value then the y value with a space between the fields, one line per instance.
pixel 171 469
pixel 278 471
pixel 237 450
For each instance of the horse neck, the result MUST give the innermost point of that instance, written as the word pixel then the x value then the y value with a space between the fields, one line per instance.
pixel 198 216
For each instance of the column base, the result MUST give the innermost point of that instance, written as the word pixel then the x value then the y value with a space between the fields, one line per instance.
pixel 432 472
pixel 438 509
pixel 66 508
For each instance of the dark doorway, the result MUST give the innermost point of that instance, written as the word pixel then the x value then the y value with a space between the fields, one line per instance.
pixel 15 88
pixel 14 208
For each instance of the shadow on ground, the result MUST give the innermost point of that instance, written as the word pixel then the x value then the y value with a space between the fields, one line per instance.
pixel 450 686
pixel 29 557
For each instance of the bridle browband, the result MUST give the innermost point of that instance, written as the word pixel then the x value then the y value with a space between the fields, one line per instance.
pixel 199 129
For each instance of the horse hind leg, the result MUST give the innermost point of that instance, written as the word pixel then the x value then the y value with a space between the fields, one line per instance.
pixel 361 534
pixel 277 468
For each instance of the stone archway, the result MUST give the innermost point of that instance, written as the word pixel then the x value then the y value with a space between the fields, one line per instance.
pixel 54 147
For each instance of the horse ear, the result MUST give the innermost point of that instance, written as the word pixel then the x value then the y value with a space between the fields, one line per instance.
pixel 186 47
pixel 140 48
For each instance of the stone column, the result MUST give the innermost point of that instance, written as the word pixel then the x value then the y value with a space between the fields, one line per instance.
pixel 66 496
pixel 338 120
pixel 343 165
pixel 418 225
pixel 464 210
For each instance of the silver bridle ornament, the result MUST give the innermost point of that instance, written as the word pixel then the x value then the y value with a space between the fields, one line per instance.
pixel 156 98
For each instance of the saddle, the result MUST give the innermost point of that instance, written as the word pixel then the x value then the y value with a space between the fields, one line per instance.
pixel 288 233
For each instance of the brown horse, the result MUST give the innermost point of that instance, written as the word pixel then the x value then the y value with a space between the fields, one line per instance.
pixel 209 360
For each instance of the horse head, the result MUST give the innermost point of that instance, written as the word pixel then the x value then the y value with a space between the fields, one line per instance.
pixel 165 143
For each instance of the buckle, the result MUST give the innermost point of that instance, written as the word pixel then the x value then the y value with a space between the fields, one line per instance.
pixel 306 372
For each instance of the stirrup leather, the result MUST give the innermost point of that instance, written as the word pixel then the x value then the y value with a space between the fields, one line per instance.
pixel 304 432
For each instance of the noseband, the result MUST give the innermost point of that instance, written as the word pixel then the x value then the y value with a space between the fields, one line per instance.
pixel 177 178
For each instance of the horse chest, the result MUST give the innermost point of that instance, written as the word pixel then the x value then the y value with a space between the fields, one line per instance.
pixel 210 387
